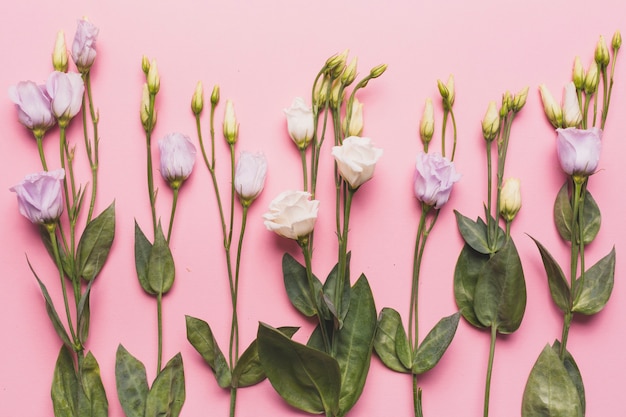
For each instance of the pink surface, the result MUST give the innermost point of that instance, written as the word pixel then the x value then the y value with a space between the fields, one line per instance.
pixel 263 54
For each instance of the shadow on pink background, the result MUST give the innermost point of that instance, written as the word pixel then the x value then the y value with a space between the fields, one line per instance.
pixel 262 54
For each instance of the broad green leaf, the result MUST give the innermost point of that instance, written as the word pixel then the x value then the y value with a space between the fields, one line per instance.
pixel 574 373
pixel 563 215
pixel 306 378
pixel 354 343
pixel 201 338
pixel 143 247
pixel 388 329
pixel 95 243
pixel 316 340
pixel 435 343
pixel 500 295
pixel 65 386
pixel 248 370
pixel 559 288
pixel 403 348
pixel 95 398
pixel 167 394
pixel 132 383
pixel 549 390
pixel 84 314
pixel 466 272
pixel 596 286
pixel 474 233
pixel 330 289
pixel 161 270
pixel 297 286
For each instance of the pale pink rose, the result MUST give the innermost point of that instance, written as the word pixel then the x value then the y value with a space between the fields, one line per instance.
pixel 66 94
pixel 434 177
pixel 178 156
pixel 40 196
pixel 579 150
pixel 250 176
pixel 33 106
pixel 84 45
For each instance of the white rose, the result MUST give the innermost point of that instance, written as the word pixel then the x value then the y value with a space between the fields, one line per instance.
pixel 300 122
pixel 356 159
pixel 292 214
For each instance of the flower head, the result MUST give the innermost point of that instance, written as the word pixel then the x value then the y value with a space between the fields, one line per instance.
pixel 491 122
pixel 33 106
pixel 578 74
pixel 356 119
pixel 231 128
pixel 197 100
pixel 579 150
pixel 510 199
pixel 434 177
pixel 551 107
pixel 84 45
pixel 300 123
pixel 356 159
pixel 572 115
pixel 59 54
pixel 66 94
pixel 178 156
pixel 250 176
pixel 427 124
pixel 40 197
pixel 292 214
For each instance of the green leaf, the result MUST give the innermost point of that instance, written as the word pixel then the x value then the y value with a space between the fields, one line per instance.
pixel 435 343
pixel 468 267
pixel 132 383
pixel 500 295
pixel 596 286
pixel 388 329
pixel 65 386
pixel 330 286
pixel 403 348
pixel 297 286
pixel 167 394
pixel 95 243
pixel 306 378
pixel 161 270
pixel 143 248
pixel 574 373
pixel 95 398
pixel 248 370
pixel 201 338
pixel 559 288
pixel 474 233
pixel 592 218
pixel 549 390
pixel 83 313
pixel 354 343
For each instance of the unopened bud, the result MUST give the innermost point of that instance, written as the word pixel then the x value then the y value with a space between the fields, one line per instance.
pixel 550 107
pixel 378 70
pixel 144 112
pixel 349 74
pixel 337 95
pixel 447 92
pixel 616 42
pixel 197 100
pixel 491 122
pixel 578 74
pixel 231 128
pixel 145 65
pixel 602 53
pixel 427 124
pixel 320 94
pixel 572 115
pixel 519 100
pixel 592 79
pixel 215 95
pixel 59 54
pixel 355 117
pixel 337 61
pixel 153 79
pixel 510 199
pixel 507 100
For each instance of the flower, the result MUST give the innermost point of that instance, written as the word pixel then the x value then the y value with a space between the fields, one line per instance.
pixel 33 106
pixel 427 124
pixel 434 177
pixel 356 159
pixel 39 196
pixel 579 150
pixel 300 122
pixel 147 122
pixel 592 79
pixel 231 128
pixel 510 199
pixel 356 119
pixel 491 122
pixel 84 45
pixel 250 176
pixel 572 116
pixel 292 214
pixel 59 53
pixel 197 100
pixel 550 107
pixel 153 79
pixel 601 54
pixel 178 156
pixel 519 100
pixel 66 95
pixel 578 74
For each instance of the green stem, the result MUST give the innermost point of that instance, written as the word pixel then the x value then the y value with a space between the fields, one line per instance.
pixel 490 237
pixel 174 201
pixel 343 251
pixel 151 192
pixel 492 350
pixel 233 401
pixel 446 111
pixel 417 398
pixel 234 331
pixel 453 119
pixel 567 321
pixel 159 331
pixel 304 169
pixel 92 152
pixel 304 245
pixel 42 156
pixel 420 241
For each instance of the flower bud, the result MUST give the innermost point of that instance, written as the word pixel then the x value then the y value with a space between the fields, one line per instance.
pixel 144 112
pixel 550 107
pixel 300 123
pixel 602 53
pixel 443 90
pixel 337 60
pixel 519 100
pixel 145 65
pixel 507 100
pixel 84 45
pixel 427 124
pixel 178 156
pixel 510 199
pixel 447 92
pixel 250 176
pixel 153 79
pixel 578 74
pixel 349 74
pixel 491 122
pixel 572 115
pixel 355 115
pixel 616 42
pixel 197 100
pixel 592 79
pixel 337 95
pixel 59 54
pixel 356 159
pixel 215 95
pixel 231 128
pixel 320 92
pixel 378 70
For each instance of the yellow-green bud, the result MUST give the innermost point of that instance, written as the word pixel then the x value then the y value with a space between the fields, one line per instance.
pixel 443 90
pixel 59 54
pixel 215 95
pixel 349 74
pixel 510 199
pixel 197 100
pixel 427 124
pixel 519 100
pixel 551 107
pixel 144 112
pixel 507 101
pixel 231 128
pixel 447 92
pixel 145 65
pixel 491 122
pixel 355 114
pixel 335 97
pixel 378 70
pixel 592 79
pixel 337 60
pixel 320 94
pixel 578 74
pixel 153 79
pixel 572 115
pixel 602 53
pixel 616 42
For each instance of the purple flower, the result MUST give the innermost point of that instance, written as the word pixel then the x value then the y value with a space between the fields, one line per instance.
pixel 178 156
pixel 579 150
pixel 66 92
pixel 434 177
pixel 33 106
pixel 84 45
pixel 40 197
pixel 250 176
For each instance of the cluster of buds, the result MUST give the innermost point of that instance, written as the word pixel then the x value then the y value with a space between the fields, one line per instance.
pixel 494 118
pixel 150 89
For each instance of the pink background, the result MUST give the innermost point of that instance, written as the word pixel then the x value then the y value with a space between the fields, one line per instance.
pixel 263 54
